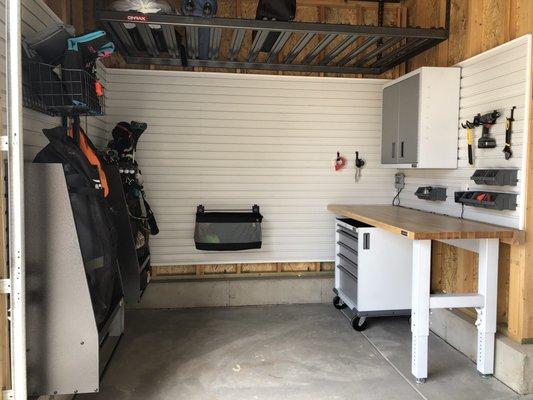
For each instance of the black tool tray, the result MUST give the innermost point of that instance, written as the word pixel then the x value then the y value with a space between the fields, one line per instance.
pixel 431 193
pixel 499 201
pixel 499 177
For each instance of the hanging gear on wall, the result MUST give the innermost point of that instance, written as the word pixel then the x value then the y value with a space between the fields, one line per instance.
pixel 93 217
pixel 508 132
pixel 121 152
pixel 359 164
pixel 81 56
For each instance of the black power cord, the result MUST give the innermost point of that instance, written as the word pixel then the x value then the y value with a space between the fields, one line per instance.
pixel 396 199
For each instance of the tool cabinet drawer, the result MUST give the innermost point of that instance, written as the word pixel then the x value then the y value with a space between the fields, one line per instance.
pixel 349 264
pixel 347 284
pixel 347 251
pixel 348 239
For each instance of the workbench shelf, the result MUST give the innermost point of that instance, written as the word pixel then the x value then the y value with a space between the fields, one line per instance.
pixel 491 200
pixel 300 46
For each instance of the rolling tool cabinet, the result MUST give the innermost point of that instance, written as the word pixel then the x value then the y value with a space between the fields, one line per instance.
pixel 372 272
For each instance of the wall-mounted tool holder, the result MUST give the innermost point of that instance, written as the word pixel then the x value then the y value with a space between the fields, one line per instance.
pixel 490 200
pixel 60 91
pixel 497 177
pixel 431 193
pixel 228 230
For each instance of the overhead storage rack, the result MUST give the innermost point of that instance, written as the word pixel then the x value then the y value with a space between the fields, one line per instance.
pixel 300 46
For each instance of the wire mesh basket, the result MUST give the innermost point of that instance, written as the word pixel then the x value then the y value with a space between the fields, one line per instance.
pixel 61 91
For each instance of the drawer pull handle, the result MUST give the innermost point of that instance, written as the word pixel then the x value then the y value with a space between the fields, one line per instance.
pixel 345 246
pixel 348 234
pixel 344 258
pixel 347 272
pixel 366 241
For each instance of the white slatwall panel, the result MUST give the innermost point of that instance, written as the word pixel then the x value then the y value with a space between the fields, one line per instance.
pixel 497 79
pixel 35 16
pixel 232 140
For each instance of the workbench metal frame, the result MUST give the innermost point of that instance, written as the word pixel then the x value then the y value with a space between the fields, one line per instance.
pixel 422 227
pixel 484 301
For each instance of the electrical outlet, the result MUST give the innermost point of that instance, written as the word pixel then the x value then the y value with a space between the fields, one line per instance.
pixel 399 180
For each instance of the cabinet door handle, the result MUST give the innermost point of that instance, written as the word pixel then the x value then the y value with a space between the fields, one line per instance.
pixel 366 241
pixel 401 150
pixel 393 155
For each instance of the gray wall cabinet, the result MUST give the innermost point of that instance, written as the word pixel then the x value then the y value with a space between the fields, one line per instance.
pixel 420 119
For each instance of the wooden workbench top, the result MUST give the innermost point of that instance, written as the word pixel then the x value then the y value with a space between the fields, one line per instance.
pixel 421 225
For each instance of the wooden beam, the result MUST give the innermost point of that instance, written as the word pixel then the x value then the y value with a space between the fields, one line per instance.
pixel 346 4
pixel 249 275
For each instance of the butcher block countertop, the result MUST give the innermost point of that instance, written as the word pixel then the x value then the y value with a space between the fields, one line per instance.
pixel 421 225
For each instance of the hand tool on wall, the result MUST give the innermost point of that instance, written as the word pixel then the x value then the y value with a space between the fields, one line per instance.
pixel 359 163
pixel 487 120
pixel 469 140
pixel 508 131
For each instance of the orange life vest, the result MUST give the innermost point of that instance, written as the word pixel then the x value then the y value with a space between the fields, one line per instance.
pixel 87 149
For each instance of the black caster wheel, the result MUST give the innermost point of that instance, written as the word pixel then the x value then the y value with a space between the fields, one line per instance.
pixel 359 323
pixel 338 303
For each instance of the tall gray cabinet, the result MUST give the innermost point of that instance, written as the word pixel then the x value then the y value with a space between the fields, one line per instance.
pixel 420 119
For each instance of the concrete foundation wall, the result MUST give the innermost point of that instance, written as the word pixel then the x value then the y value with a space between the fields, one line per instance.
pixel 237 292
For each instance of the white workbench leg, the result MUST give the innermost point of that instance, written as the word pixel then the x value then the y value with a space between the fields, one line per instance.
pixel 488 287
pixel 420 308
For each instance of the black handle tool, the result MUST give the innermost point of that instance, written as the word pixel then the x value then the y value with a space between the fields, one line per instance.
pixel 508 131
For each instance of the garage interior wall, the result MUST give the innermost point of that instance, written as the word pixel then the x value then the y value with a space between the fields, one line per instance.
pixel 496 79
pixel 477 26
pixel 233 140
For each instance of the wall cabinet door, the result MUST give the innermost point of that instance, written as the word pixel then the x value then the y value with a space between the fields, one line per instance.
pixel 408 111
pixel 419 119
pixel 389 119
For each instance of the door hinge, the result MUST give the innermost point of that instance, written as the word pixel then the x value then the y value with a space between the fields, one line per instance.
pixel 4 143
pixel 8 394
pixel 5 286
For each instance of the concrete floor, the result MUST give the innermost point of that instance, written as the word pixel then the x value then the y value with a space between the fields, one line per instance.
pixel 280 352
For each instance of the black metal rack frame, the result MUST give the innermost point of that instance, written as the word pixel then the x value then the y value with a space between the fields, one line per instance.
pixel 371 49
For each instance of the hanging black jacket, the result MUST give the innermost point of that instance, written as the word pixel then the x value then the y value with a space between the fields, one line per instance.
pixel 94 219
